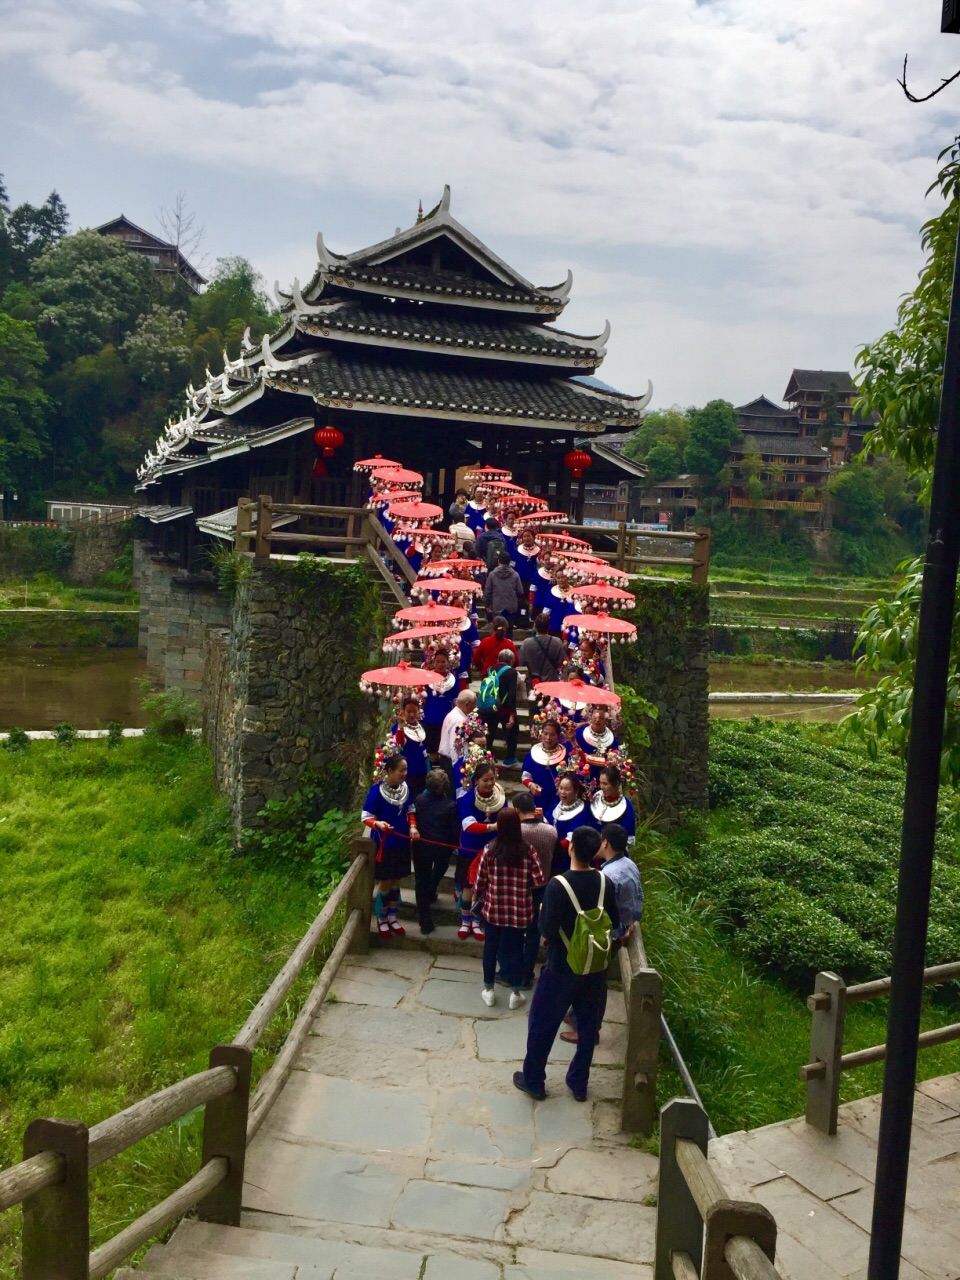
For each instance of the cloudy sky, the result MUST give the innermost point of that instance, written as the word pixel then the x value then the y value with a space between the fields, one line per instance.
pixel 736 184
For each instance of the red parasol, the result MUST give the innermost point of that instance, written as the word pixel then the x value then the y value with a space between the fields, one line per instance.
pixel 402 676
pixel 407 511
pixel 398 476
pixel 378 462
pixel 577 691
pixel 489 473
pixel 561 540
pixel 568 556
pixel 434 568
pixel 545 517
pixel 429 613
pixel 449 586
pixel 394 495
pixel 417 637
pixel 602 624
pixel 601 593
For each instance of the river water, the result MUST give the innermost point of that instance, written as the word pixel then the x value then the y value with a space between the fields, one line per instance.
pixel 90 687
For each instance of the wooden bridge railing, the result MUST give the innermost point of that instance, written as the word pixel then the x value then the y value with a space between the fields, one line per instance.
pixel 828 1004
pixel 703 1234
pixel 627 555
pixel 52 1180
pixel 350 531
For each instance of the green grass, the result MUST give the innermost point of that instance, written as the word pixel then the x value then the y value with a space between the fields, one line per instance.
pixel 47 592
pixel 133 941
pixel 742 1027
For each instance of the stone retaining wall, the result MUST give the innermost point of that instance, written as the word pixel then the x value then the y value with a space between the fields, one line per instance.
pixel 281 693
pixel 177 609
pixel 96 548
pixel 668 667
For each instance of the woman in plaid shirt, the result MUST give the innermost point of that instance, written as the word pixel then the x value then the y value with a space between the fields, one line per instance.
pixel 508 871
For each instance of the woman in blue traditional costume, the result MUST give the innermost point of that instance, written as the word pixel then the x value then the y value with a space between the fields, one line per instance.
pixel 570 811
pixel 387 813
pixel 544 763
pixel 609 804
pixel 440 698
pixel 410 737
pixel 595 739
pixel 478 809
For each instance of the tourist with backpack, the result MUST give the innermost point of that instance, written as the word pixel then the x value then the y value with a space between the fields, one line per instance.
pixel 542 654
pixel 497 704
pixel 490 542
pixel 508 873
pixel 577 922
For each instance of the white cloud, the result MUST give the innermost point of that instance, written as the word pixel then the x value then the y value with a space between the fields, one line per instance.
pixel 766 144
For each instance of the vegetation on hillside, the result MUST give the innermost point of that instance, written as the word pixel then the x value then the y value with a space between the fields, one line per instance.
pixel 789 873
pixel 95 351
pixel 134 940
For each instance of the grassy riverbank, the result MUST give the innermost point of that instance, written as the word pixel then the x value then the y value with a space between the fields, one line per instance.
pixel 133 941
pixel 793 870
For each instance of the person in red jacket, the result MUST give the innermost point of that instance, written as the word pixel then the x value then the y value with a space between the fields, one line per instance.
pixel 487 652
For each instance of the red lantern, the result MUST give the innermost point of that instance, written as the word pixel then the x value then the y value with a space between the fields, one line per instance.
pixel 577 462
pixel 328 439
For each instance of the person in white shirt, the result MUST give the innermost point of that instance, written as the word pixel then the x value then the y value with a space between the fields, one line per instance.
pixel 465 703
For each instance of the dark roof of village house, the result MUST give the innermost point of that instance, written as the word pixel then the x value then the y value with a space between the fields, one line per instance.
pixel 783 445
pixel 501 365
pixel 761 407
pixel 148 240
pixel 819 380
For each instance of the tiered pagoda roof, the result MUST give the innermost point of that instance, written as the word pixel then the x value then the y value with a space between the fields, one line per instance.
pixel 763 417
pixel 428 324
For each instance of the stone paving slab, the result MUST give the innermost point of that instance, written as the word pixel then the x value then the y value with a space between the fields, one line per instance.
pixel 190 1265
pixel 472 1174
pixel 344 1112
pixel 507 1041
pixel 386 1064
pixel 414 1029
pixel 581 1225
pixel 304 1180
pixel 453 995
pixel 405 964
pixel 355 985
pixel 537 1264
pixel 335 1258
pixel 446 1209
pixel 605 1175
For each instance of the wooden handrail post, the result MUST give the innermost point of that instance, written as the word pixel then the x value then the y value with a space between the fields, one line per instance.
pixel 638 1109
pixel 828 1004
pixel 701 555
pixel 360 897
pixel 56 1220
pixel 225 1134
pixel 621 545
pixel 679 1225
pixel 244 524
pixel 261 545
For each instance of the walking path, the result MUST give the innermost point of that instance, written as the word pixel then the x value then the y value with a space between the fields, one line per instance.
pixel 400 1149
pixel 820 1189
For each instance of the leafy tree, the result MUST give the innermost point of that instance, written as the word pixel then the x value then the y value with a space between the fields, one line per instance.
pixel 23 407
pixel 92 292
pixel 713 432
pixel 26 232
pixel 901 376
pixel 157 351
pixel 662 426
pixel 832 423
pixel 858 503
pixel 663 461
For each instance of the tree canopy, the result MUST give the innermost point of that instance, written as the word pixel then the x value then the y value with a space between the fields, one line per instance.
pixel 901 376
pixel 713 431
pixel 95 351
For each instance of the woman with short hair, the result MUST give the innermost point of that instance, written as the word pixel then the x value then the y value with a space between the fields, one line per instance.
pixel 508 873
pixel 438 828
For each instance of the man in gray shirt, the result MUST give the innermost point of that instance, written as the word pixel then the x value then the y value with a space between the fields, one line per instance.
pixel 543 654
pixel 504 594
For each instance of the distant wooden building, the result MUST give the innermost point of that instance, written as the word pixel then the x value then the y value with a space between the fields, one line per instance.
pixel 784 456
pixel 817 393
pixel 427 348
pixel 165 258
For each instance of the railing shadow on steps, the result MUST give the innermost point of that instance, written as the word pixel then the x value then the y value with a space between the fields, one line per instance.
pixel 52 1181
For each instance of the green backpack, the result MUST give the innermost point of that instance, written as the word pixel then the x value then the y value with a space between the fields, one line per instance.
pixel 488 695
pixel 590 945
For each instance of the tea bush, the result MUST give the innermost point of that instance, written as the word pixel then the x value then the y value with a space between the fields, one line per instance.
pixel 801 860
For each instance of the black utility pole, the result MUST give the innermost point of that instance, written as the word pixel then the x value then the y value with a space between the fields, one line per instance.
pixel 919 818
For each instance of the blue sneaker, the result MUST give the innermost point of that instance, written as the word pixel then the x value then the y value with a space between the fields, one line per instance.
pixel 508 764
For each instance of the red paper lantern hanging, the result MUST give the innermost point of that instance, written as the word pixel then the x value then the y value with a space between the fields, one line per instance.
pixel 328 439
pixel 577 461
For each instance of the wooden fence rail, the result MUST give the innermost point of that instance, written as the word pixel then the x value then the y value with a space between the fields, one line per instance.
pixel 828 1004
pixel 702 1234
pixel 629 558
pixel 52 1181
